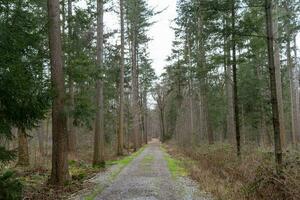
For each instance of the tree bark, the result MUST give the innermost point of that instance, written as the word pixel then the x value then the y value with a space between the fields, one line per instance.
pixel 206 124
pixel 292 88
pixel 230 127
pixel 297 85
pixel 135 92
pixel 278 77
pixel 122 69
pixel 23 151
pixel 145 117
pixel 273 84
pixel 235 89
pixel 41 139
pixel 99 123
pixel 71 129
pixel 59 172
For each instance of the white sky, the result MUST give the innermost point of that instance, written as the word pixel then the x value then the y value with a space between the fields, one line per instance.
pixel 161 33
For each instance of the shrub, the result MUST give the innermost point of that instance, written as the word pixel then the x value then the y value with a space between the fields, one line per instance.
pixel 10 186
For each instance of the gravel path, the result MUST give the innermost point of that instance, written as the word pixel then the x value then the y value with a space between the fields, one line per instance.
pixel 147 177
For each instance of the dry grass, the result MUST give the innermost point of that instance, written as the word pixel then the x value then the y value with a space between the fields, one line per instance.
pixel 219 172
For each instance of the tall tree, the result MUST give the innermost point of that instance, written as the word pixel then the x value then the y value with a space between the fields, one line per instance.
pixel 134 83
pixel 71 129
pixel 99 121
pixel 278 73
pixel 122 69
pixel 235 91
pixel 60 171
pixel 273 84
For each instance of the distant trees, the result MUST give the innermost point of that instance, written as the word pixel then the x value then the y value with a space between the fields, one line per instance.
pixel 220 66
pixel 138 16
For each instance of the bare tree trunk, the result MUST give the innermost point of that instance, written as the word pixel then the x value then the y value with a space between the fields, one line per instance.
pixel 145 117
pixel 292 88
pixel 71 129
pixel 99 123
pixel 278 77
pixel 229 91
pixel 203 81
pixel 273 84
pixel 235 90
pixel 59 172
pixel 135 92
pixel 121 108
pixel 191 84
pixel 23 151
pixel 41 139
pixel 162 124
pixel 297 86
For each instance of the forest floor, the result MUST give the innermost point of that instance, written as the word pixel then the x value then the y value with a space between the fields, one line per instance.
pixel 219 172
pixel 149 174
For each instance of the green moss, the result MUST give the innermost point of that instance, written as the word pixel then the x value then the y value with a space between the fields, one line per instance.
pixel 175 166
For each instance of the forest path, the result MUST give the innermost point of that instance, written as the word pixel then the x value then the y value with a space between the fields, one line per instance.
pixel 147 177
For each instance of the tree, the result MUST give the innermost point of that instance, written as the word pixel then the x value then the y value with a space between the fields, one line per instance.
pixel 278 74
pixel 235 91
pixel 273 84
pixel 138 18
pixel 24 87
pixel 70 120
pixel 99 121
pixel 60 171
pixel 122 68
pixel 159 94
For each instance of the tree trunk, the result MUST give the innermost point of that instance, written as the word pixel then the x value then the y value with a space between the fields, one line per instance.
pixel 273 84
pixel 99 123
pixel 297 86
pixel 235 89
pixel 135 92
pixel 41 139
pixel 206 124
pixel 162 124
pixel 292 88
pixel 59 172
pixel 278 77
pixel 145 116
pixel 71 129
pixel 230 127
pixel 23 151
pixel 122 68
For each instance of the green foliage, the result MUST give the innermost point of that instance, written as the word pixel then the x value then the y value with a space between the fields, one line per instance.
pixel 11 187
pixel 24 84
pixel 175 166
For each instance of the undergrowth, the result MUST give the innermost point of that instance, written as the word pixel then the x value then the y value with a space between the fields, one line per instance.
pixel 221 173
pixel 175 166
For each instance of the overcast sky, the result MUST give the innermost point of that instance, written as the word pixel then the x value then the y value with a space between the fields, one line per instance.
pixel 161 33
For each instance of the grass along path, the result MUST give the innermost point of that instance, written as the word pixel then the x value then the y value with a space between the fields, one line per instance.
pixel 105 179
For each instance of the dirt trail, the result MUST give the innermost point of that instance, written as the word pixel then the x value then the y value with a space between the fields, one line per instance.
pixel 147 177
